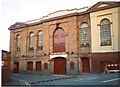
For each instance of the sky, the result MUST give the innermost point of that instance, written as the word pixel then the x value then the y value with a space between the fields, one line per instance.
pixel 13 11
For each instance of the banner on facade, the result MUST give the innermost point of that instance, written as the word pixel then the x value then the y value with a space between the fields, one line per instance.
pixel 60 55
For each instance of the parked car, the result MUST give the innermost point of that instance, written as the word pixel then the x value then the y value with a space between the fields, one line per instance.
pixel 113 68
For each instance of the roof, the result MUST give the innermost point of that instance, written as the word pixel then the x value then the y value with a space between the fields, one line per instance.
pixel 102 5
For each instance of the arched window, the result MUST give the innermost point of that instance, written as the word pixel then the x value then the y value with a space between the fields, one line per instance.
pixel 18 42
pixel 71 65
pixel 45 66
pixel 39 41
pixel 105 32
pixel 84 34
pixel 31 41
pixel 59 40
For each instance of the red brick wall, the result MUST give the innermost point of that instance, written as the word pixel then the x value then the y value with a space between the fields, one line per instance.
pixel 97 58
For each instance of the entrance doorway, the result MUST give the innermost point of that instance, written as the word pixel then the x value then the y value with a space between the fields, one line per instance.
pixel 59 65
pixel 30 65
pixel 16 67
pixel 38 66
pixel 85 65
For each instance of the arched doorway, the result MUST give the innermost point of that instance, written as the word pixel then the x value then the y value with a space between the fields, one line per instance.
pixel 59 65
pixel 85 65
pixel 59 40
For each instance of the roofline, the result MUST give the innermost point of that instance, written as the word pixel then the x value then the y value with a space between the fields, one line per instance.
pixel 89 10
pixel 103 8
pixel 50 19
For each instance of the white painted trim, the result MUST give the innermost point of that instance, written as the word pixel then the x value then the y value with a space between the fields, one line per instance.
pixel 60 55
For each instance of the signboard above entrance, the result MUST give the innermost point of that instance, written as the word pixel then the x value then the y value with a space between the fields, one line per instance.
pixel 58 54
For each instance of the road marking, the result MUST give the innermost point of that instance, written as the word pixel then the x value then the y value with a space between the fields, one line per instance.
pixel 25 82
pixel 110 80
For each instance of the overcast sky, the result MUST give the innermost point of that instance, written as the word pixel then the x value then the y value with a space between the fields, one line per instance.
pixel 13 11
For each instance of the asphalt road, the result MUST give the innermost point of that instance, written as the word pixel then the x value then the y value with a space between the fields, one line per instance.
pixel 83 80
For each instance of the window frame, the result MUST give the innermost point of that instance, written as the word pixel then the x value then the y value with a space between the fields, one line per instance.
pixel 40 38
pixel 18 41
pixel 105 33
pixel 59 40
pixel 84 37
pixel 31 43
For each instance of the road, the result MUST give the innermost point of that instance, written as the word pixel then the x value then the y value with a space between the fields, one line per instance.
pixel 109 80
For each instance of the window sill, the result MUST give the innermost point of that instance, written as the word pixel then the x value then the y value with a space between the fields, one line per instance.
pixel 17 50
pixel 85 46
pixel 106 45
pixel 30 50
pixel 39 49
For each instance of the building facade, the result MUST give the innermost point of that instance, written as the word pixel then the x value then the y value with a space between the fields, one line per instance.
pixel 67 42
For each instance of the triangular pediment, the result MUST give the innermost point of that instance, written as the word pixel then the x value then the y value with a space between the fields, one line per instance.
pixel 103 5
pixel 17 25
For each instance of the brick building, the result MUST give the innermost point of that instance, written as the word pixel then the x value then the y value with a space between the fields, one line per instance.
pixel 67 42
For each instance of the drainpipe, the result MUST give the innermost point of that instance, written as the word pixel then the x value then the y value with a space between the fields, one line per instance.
pixel 26 48
pixel 26 42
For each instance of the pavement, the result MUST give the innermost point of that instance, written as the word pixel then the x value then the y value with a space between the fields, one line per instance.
pixel 22 79
pixel 11 83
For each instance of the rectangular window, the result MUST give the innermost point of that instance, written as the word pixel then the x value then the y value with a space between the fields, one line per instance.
pixel 105 35
pixel 18 43
pixel 84 35
pixel 40 40
pixel 32 42
pixel 31 45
